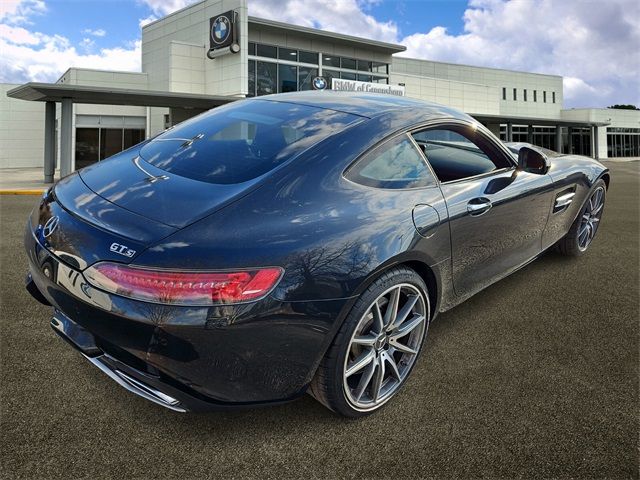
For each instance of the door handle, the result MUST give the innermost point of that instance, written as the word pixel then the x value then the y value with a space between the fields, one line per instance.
pixel 479 206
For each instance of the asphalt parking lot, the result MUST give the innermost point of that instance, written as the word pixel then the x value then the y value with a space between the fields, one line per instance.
pixel 535 377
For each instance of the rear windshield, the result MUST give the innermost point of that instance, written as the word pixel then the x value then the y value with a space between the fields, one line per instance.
pixel 241 141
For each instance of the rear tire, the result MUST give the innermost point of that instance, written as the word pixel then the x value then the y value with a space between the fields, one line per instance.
pixel 581 234
pixel 376 347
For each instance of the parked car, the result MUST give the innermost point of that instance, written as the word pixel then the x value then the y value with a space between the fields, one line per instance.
pixel 295 243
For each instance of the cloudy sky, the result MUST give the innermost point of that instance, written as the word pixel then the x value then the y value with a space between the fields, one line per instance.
pixel 595 45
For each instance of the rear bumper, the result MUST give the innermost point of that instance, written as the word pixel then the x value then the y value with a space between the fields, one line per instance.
pixel 187 358
pixel 135 382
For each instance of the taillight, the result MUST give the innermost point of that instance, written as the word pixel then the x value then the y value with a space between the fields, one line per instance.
pixel 183 288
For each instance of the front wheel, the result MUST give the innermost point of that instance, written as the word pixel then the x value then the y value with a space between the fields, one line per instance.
pixel 376 347
pixel 585 227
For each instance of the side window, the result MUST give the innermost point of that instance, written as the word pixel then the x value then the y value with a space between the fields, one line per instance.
pixel 395 164
pixel 456 152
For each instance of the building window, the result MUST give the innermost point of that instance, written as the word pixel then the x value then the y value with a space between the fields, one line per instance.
pixel 580 141
pixel 379 67
pixel 287 78
pixel 553 96
pixel 266 78
pixel 544 96
pixel 623 142
pixel 535 95
pixel 515 94
pixel 307 57
pixel 291 70
pixel 252 79
pixel 305 77
pixel 349 63
pixel 97 143
pixel 288 54
pixel 504 93
pixel 87 146
pixel 525 94
pixel 364 66
pixel 268 51
pixel 331 61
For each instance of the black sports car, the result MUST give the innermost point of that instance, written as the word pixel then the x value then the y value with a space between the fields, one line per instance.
pixel 295 243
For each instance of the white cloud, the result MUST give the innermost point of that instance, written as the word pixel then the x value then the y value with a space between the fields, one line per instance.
pixel 342 16
pixel 145 21
pixel 33 56
pixel 594 45
pixel 19 35
pixel 165 7
pixel 87 44
pixel 18 11
pixel 100 32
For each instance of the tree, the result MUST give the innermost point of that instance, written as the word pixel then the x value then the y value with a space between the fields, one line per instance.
pixel 624 107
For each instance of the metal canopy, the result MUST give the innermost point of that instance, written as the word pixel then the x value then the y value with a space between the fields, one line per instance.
pixel 56 92
pixel 552 122
pixel 314 34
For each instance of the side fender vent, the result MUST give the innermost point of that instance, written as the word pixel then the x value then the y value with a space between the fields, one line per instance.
pixel 564 199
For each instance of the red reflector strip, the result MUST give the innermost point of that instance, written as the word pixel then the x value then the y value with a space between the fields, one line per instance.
pixel 183 288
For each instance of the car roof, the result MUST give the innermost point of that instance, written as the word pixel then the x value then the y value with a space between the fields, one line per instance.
pixel 368 104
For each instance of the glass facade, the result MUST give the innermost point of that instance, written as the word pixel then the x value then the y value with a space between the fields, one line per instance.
pixel 99 137
pixel 623 142
pixel 580 141
pixel 545 137
pixel 275 69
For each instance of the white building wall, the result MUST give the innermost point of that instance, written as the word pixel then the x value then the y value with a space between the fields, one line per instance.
pixel 186 67
pixel 450 77
pixel 177 35
pixel 470 97
pixel 21 131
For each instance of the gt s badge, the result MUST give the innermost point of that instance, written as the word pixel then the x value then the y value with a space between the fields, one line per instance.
pixel 122 250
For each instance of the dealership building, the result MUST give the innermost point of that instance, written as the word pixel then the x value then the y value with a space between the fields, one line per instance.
pixel 212 53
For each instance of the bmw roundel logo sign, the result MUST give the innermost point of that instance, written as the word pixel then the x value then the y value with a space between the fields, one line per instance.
pixel 220 30
pixel 319 83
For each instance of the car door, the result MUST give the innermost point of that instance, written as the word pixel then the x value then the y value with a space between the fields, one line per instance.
pixel 497 213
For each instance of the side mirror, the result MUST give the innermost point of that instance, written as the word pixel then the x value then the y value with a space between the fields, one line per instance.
pixel 532 161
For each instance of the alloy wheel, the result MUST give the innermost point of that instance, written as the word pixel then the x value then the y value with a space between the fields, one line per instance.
pixel 384 346
pixel 590 219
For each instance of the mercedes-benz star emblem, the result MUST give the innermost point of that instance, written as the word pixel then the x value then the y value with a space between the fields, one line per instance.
pixel 50 226
pixel 221 29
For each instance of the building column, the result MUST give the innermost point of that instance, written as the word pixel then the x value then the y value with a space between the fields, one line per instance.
pixel 494 128
pixel 594 142
pixel 530 134
pixel 558 139
pixel 509 132
pixel 569 140
pixel 66 118
pixel 49 141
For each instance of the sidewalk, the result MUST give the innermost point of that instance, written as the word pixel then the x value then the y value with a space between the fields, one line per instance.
pixel 23 181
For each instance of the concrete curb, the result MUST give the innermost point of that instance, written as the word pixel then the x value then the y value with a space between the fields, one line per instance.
pixel 22 192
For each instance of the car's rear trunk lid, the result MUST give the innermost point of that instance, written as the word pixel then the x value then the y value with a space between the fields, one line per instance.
pixel 81 228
